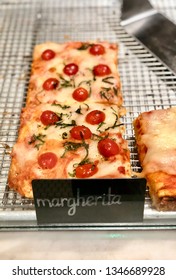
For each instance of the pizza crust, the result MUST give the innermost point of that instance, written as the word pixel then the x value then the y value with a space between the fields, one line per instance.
pixel 36 138
pixel 155 133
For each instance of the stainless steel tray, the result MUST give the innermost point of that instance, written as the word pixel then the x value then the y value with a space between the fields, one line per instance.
pixel 147 84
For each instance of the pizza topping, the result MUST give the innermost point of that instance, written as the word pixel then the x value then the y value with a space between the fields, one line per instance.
pixel 48 54
pixel 64 135
pixel 99 126
pixel 95 117
pixel 72 146
pixel 78 111
pixel 101 70
pixel 108 92
pixel 86 170
pixel 47 160
pixel 71 69
pixel 49 117
pixel 62 140
pixel 108 147
pixel 50 84
pixel 61 124
pixel 64 83
pixel 80 94
pixel 64 107
pixel 84 47
pixel 121 169
pixel 37 139
pixel 116 122
pixel 80 132
pixel 108 80
pixel 97 49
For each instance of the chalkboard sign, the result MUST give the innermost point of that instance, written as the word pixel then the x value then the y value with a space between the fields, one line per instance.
pixel 87 201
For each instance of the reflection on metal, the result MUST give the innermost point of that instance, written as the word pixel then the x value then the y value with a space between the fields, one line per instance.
pixel 152 29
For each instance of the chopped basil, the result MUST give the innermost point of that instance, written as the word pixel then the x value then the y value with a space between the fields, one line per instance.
pixel 88 82
pixel 96 137
pixel 64 135
pixel 66 83
pixel 37 138
pixel 72 174
pixel 116 124
pixel 63 125
pixel 104 93
pixel 99 126
pixel 115 91
pixel 72 146
pixel 107 80
pixel 83 47
pixel 78 111
pixel 86 106
pixel 64 107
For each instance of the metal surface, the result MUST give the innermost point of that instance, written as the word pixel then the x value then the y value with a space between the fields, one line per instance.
pixel 152 29
pixel 147 83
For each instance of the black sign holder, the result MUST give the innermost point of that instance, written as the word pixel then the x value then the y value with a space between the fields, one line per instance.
pixel 87 201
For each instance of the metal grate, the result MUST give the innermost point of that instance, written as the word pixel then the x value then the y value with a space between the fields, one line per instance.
pixel 147 83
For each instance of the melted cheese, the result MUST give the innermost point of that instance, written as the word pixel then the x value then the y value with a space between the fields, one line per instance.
pixel 68 53
pixel 160 140
pixel 74 113
pixel 35 138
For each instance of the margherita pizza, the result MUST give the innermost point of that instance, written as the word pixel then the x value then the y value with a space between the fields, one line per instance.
pixel 70 127
pixel 75 71
pixel 155 136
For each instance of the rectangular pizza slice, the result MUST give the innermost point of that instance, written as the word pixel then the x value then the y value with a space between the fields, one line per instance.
pixel 156 142
pixel 70 127
pixel 57 141
pixel 75 71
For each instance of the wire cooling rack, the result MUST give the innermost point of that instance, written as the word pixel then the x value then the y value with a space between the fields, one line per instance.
pixel 147 84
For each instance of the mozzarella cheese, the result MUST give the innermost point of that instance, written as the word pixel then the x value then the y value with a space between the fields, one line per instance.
pixel 158 135
pixel 36 138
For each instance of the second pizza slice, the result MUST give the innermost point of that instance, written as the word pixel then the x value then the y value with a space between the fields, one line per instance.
pixel 155 137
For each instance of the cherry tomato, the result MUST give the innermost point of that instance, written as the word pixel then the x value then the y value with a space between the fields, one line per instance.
pixel 121 169
pixel 80 132
pixel 49 117
pixel 97 49
pixel 47 160
pixel 95 117
pixel 86 170
pixel 101 70
pixel 50 84
pixel 48 54
pixel 108 147
pixel 80 94
pixel 71 69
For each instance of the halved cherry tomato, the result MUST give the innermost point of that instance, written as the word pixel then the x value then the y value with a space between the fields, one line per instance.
pixel 101 70
pixel 47 160
pixel 80 94
pixel 80 132
pixel 95 117
pixel 50 84
pixel 108 147
pixel 97 49
pixel 49 117
pixel 48 54
pixel 86 170
pixel 71 69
